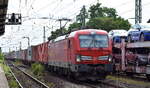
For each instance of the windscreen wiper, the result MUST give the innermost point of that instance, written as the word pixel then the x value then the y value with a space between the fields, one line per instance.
pixel 93 41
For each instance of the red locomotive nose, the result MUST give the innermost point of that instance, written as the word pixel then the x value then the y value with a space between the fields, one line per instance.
pixel 95 60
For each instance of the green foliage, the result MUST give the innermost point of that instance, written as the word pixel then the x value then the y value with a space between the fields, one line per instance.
pixel 74 25
pixel 100 18
pixel 18 62
pixel 58 32
pixel 51 85
pixel 1 58
pixel 106 18
pixel 6 69
pixel 109 12
pixel 37 69
pixel 98 11
pixel 11 81
pixel 13 84
pixel 108 23
pixel 82 15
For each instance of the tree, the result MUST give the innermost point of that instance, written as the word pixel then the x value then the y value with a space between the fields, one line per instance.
pixel 82 16
pixel 108 23
pixel 109 12
pixel 74 25
pixel 98 11
pixel 100 18
pixel 58 32
pixel 106 18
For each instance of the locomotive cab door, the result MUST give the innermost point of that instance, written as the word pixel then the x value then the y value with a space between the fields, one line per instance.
pixel 69 50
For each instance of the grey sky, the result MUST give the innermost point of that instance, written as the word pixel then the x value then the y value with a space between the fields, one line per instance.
pixel 56 9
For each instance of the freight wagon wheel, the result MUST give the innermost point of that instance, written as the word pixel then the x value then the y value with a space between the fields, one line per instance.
pixel 142 37
pixel 130 74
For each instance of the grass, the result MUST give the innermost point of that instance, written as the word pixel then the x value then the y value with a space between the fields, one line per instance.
pixel 37 69
pixel 17 62
pixel 51 84
pixel 129 81
pixel 13 84
pixel 11 81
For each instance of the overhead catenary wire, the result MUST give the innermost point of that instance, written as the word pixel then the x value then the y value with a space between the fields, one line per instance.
pixel 55 23
pixel 132 9
pixel 122 4
pixel 31 6
pixel 65 9
pixel 45 6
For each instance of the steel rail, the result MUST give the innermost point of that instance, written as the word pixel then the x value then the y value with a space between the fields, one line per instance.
pixel 20 86
pixel 36 80
pixel 33 78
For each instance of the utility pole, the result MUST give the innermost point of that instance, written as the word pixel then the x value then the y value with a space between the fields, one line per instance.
pixel 9 50
pixel 20 45
pixel 26 2
pixel 60 23
pixel 83 16
pixel 44 34
pixel 138 11
pixel 28 41
pixel 63 19
pixel 16 48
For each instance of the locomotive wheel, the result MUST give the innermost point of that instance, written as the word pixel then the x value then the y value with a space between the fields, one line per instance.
pixel 129 74
pixel 148 76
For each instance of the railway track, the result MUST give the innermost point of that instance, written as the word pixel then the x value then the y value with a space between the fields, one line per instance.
pixel 133 77
pixel 24 79
pixel 89 84
pixel 96 84
pixel 101 84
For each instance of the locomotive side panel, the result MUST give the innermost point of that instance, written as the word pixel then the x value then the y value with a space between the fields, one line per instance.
pixel 58 54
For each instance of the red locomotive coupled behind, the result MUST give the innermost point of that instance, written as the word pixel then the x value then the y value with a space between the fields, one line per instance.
pixel 85 54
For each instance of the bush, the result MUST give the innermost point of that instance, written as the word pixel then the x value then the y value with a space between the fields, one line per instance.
pixel 13 84
pixel 6 69
pixel 37 69
pixel 17 62
pixel 1 58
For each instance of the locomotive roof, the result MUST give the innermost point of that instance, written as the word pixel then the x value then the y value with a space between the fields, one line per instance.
pixel 72 34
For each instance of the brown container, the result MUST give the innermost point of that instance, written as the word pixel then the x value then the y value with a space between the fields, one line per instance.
pixel 40 53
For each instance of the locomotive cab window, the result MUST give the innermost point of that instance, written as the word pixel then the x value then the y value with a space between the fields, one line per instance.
pixel 93 41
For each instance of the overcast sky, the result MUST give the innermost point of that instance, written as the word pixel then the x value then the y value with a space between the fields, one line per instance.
pixel 32 10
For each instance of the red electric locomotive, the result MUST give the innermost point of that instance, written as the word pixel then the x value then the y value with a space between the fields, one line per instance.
pixel 85 54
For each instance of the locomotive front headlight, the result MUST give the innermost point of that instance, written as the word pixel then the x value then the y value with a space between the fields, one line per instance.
pixel 78 58
pixel 110 58
pixel 103 57
pixel 86 58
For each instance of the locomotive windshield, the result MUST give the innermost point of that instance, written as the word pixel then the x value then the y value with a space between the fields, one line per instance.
pixel 93 41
